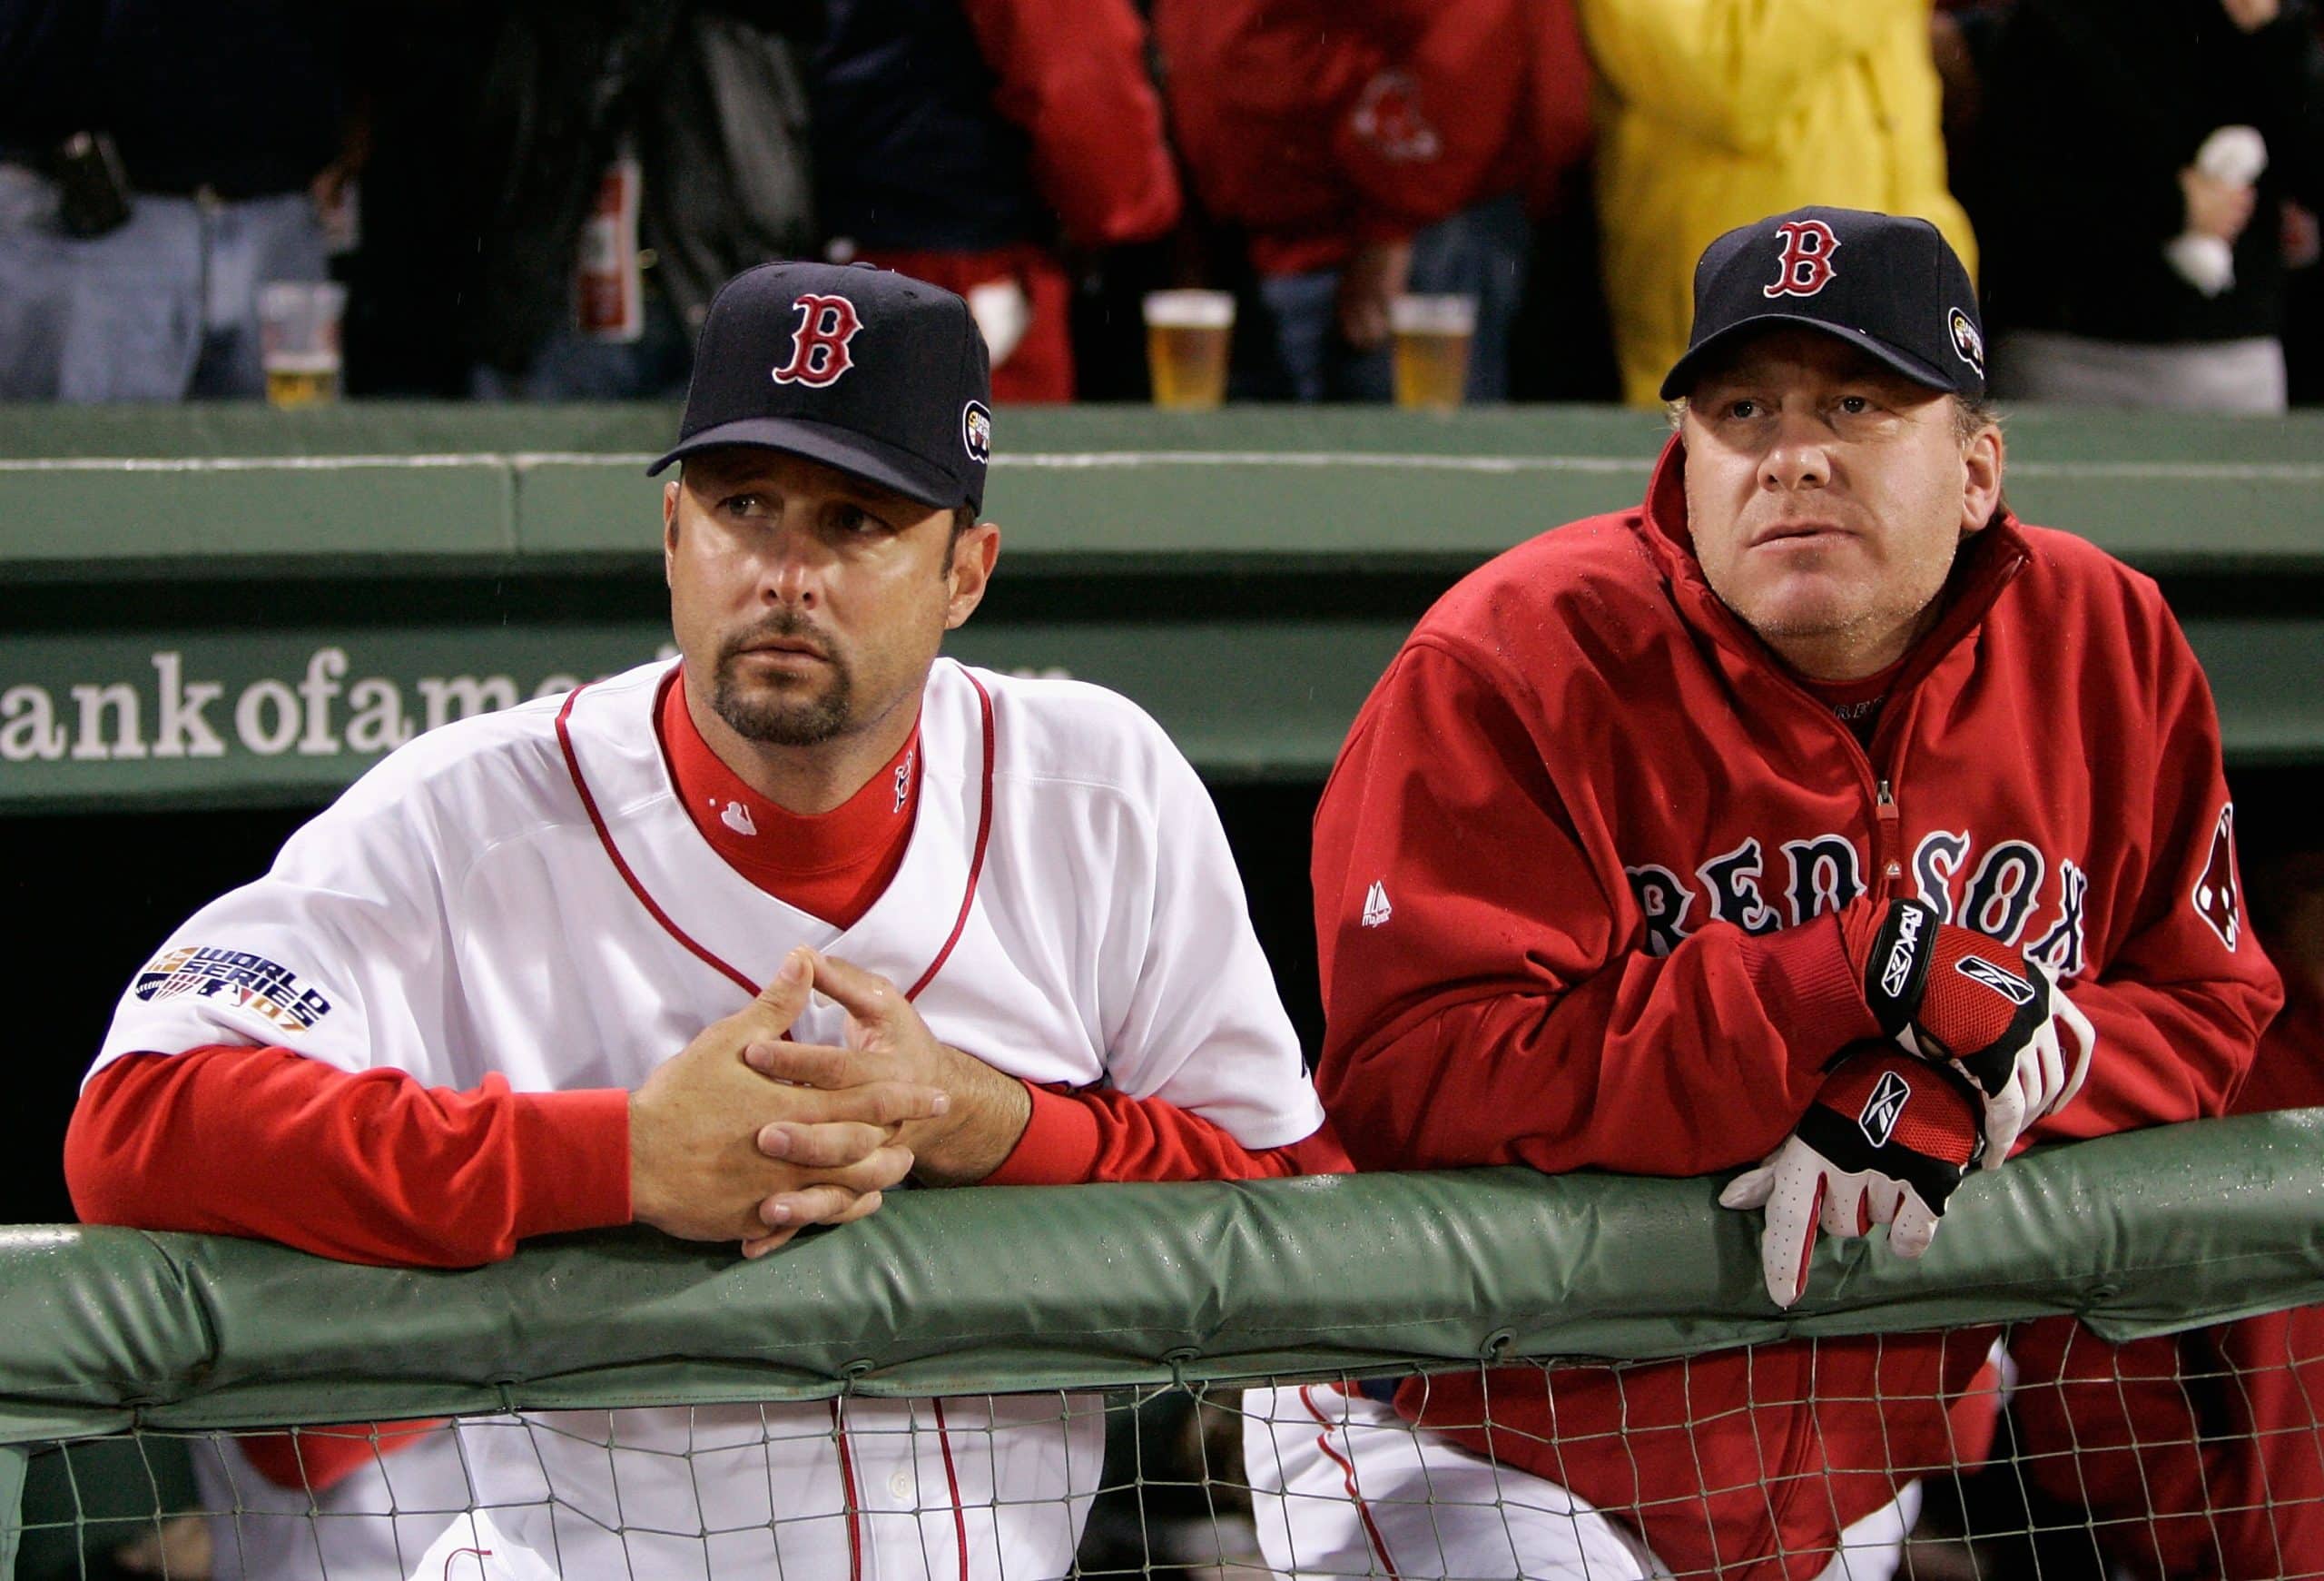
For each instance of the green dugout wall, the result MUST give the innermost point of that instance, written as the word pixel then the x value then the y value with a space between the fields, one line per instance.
pixel 232 605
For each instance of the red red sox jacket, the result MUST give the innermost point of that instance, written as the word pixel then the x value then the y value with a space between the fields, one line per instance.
pixel 1578 873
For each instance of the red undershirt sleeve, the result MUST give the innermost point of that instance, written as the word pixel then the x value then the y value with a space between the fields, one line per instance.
pixel 1096 1135
pixel 367 1166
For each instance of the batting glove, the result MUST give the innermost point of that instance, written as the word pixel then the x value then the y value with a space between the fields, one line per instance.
pixel 1952 996
pixel 1886 1141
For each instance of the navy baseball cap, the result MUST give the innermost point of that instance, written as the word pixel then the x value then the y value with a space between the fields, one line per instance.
pixel 1884 283
pixel 870 371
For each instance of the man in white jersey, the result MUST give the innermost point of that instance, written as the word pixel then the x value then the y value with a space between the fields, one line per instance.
pixel 726 946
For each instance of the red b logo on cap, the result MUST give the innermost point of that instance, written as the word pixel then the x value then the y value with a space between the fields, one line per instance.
pixel 819 352
pixel 1805 266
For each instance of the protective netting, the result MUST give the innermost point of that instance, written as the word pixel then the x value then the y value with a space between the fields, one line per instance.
pixel 2031 1450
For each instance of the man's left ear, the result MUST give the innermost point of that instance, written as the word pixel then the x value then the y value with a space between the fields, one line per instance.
pixel 974 554
pixel 1981 461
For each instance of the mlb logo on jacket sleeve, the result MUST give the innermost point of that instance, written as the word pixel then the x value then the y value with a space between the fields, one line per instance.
pixel 2218 897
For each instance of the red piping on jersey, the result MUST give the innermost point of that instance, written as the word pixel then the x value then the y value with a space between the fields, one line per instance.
pixel 847 1486
pixel 976 859
pixel 953 1481
pixel 1348 1479
pixel 605 838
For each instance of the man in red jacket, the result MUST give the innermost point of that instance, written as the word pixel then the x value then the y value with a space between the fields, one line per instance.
pixel 1817 816
pixel 1371 148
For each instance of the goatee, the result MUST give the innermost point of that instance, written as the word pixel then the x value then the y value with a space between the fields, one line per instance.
pixel 760 714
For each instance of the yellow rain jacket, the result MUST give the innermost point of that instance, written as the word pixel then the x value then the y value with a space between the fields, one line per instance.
pixel 1712 114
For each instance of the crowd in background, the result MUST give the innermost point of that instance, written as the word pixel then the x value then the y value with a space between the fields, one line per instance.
pixel 534 201
pixel 528 200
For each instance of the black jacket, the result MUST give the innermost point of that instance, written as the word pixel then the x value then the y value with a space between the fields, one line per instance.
pixel 242 97
pixel 908 149
pixel 2091 109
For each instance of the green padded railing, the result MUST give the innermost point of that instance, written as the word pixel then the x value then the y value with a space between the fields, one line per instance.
pixel 104 1332
pixel 971 1291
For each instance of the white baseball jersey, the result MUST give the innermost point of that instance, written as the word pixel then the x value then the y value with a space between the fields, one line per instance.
pixel 523 894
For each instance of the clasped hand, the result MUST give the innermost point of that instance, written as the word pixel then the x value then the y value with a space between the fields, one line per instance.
pixel 746 1135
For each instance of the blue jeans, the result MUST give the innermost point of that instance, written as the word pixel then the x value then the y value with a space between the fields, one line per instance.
pixel 1479 252
pixel 164 308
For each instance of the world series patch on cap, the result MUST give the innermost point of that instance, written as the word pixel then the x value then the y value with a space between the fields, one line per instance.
pixel 1889 284
pixel 861 369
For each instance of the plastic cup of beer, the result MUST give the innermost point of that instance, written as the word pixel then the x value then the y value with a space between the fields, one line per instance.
pixel 298 340
pixel 1431 347
pixel 1187 337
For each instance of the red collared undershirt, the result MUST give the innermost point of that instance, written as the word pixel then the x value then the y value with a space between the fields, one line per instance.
pixel 831 864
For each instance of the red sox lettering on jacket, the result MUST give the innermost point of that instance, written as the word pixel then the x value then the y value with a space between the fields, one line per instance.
pixel 2013 892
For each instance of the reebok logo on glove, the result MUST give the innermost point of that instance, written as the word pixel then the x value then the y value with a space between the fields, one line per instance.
pixel 1883 1109
pixel 1938 992
pixel 2016 989
pixel 1903 956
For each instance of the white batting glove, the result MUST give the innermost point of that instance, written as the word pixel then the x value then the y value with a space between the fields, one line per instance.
pixel 1886 1141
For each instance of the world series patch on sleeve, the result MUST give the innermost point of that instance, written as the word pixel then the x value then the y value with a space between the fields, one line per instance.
pixel 248 982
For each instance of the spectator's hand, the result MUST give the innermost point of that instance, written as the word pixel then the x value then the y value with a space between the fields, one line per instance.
pixel 699 1166
pixel 2251 15
pixel 328 191
pixel 1003 313
pixel 889 1045
pixel 1372 278
pixel 2215 208
pixel 1951 996
pixel 1886 1141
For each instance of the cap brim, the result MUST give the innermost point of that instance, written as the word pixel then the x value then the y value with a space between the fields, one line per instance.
pixel 844 449
pixel 1681 377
